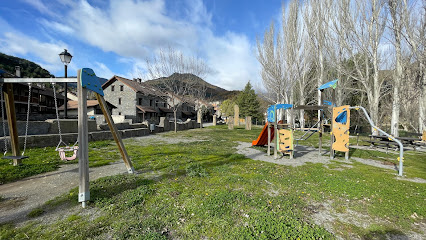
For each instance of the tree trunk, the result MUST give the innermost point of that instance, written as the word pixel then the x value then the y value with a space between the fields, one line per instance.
pixel 302 112
pixel 373 98
pixel 396 25
pixel 422 102
pixel 320 79
pixel 174 114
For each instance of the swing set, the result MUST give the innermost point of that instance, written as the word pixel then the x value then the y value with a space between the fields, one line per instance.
pixel 86 80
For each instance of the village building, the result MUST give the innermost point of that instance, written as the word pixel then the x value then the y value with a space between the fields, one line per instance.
pixel 136 100
pixel 93 108
pixel 42 102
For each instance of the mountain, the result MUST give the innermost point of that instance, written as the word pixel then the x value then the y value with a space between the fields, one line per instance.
pixel 213 93
pixel 28 68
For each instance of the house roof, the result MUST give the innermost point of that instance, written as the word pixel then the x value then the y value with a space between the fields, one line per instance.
pixel 90 103
pixel 136 86
pixel 187 113
pixel 145 109
pixel 166 110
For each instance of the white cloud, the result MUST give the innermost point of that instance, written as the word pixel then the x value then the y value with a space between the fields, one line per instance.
pixel 41 7
pixel 129 28
pixel 101 70
pixel 136 29
pixel 233 59
pixel 12 43
pixel 57 27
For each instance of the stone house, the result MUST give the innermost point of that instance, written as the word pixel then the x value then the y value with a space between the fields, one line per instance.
pixel 186 109
pixel 93 108
pixel 136 100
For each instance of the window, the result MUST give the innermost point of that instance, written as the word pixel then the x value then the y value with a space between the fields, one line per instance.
pixel 119 101
pixel 150 102
pixel 121 88
pixel 140 101
pixel 112 88
pixel 119 113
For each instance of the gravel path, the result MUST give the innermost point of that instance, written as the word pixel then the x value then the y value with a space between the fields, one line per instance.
pixel 304 154
pixel 23 196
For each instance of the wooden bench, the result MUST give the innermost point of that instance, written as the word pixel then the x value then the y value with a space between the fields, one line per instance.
pixel 382 141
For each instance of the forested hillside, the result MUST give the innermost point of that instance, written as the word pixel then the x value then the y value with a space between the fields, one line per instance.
pixel 28 68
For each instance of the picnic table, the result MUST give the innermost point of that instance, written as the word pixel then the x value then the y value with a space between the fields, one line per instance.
pixel 379 140
pixel 383 141
pixel 408 140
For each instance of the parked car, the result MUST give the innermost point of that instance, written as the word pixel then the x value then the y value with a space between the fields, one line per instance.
pixel 177 120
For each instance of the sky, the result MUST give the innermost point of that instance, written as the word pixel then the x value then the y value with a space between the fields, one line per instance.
pixel 115 37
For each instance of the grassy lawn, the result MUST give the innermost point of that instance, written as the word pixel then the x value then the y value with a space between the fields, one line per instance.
pixel 203 189
pixel 41 160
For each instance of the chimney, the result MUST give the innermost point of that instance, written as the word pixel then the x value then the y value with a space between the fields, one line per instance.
pixel 18 71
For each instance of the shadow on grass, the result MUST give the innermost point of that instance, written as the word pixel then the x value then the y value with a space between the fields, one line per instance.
pixel 385 234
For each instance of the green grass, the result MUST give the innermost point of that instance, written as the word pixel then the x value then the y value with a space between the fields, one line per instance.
pixel 35 213
pixel 41 160
pixel 204 190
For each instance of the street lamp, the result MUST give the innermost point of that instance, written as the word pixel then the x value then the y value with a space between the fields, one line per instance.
pixel 66 59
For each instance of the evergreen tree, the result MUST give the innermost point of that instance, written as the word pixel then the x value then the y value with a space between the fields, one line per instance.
pixel 248 102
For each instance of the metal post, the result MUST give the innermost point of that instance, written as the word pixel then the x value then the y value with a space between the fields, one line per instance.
pixel 276 134
pixel 401 147
pixel 83 141
pixel 66 91
pixel 269 138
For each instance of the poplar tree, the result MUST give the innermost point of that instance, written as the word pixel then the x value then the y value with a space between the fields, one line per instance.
pixel 248 103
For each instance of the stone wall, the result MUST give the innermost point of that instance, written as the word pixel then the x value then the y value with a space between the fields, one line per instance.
pixel 126 130
pixel 49 126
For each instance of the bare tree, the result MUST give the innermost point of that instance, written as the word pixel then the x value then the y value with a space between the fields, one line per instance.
pixel 298 56
pixel 364 25
pixel 171 67
pixel 271 58
pixel 396 26
pixel 317 18
pixel 338 53
pixel 415 27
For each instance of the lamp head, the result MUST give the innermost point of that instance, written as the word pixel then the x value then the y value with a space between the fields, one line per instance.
pixel 65 57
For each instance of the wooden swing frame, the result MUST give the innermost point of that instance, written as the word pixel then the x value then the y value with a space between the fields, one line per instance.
pixel 83 137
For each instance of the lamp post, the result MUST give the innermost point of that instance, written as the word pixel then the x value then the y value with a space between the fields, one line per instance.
pixel 66 59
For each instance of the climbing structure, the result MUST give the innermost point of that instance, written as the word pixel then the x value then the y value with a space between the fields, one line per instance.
pixel 286 141
pixel 340 130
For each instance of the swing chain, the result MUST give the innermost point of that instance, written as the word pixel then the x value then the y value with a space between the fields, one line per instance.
pixel 57 115
pixel 28 117
pixel 2 119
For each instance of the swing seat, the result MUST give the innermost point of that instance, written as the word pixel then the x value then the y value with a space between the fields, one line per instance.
pixel 63 156
pixel 14 157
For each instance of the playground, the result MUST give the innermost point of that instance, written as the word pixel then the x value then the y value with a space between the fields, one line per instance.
pixel 206 183
pixel 213 182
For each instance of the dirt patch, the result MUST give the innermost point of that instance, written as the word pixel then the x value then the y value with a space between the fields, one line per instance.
pixel 156 139
pixel 25 195
pixel 302 155
pixel 325 215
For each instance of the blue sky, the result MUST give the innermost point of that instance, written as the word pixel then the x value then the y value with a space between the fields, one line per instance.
pixel 117 36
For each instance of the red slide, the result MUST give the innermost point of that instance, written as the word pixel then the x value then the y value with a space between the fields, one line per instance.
pixel 263 137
